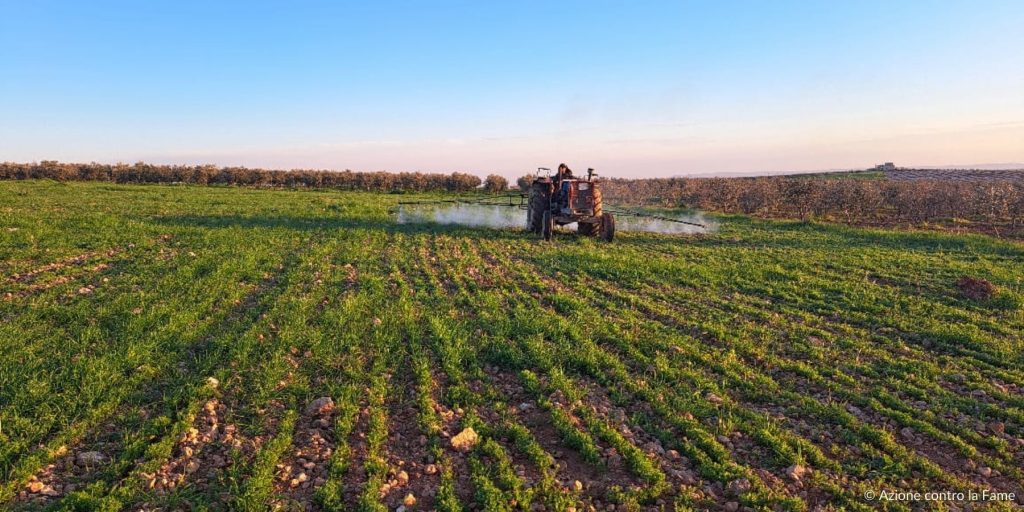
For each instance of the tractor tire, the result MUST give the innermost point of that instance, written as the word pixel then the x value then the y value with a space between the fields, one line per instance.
pixel 540 200
pixel 607 227
pixel 587 228
pixel 547 225
pixel 535 216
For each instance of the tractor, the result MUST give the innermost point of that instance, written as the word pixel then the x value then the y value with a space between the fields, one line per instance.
pixel 561 198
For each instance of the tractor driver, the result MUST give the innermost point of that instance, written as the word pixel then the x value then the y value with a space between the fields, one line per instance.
pixel 562 197
pixel 564 172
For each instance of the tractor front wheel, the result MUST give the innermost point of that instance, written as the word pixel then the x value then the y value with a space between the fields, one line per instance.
pixel 607 227
pixel 547 225
pixel 587 228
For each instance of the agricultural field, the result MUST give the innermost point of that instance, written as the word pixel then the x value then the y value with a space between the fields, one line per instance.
pixel 218 348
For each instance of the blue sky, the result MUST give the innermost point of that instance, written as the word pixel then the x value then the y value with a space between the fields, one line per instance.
pixel 631 88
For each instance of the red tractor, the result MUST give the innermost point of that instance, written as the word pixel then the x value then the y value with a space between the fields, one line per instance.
pixel 561 198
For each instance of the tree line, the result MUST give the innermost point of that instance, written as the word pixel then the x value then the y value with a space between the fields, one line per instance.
pixel 846 200
pixel 141 172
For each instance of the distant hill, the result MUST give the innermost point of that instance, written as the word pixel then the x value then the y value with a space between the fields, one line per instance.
pixel 957 174
pixel 980 167
pixel 861 172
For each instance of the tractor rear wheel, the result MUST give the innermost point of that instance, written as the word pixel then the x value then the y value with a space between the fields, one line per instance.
pixel 540 200
pixel 547 225
pixel 607 227
pixel 587 228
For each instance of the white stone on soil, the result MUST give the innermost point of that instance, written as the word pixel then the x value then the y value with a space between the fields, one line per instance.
pixel 322 405
pixel 90 458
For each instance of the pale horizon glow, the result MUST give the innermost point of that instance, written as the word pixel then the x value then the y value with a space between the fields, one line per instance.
pixel 639 89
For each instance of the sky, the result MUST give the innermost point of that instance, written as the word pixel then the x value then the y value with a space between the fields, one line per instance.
pixel 631 88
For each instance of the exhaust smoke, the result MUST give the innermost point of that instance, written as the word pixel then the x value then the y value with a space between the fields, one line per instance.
pixel 463 215
pixel 501 217
pixel 649 225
